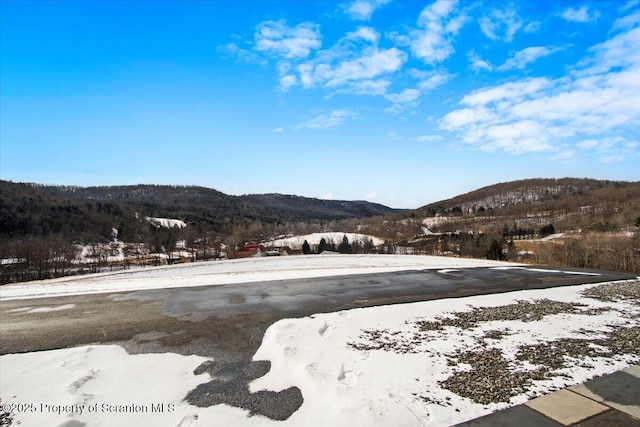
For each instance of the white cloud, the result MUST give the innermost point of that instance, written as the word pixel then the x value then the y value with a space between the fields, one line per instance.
pixel 526 56
pixel 516 137
pixel 287 81
pixel 587 144
pixel 623 50
pixel 512 91
pixel 242 54
pixel 355 64
pixel 367 87
pixel 627 22
pixel 371 196
pixel 611 149
pixel 365 33
pixel 372 63
pixel 466 116
pixel 362 10
pixel 359 71
pixel 532 27
pixel 326 121
pixel 576 113
pixel 579 15
pixel 434 80
pixel 433 42
pixel 407 95
pixel 277 130
pixel 477 63
pixel 501 24
pixel 277 38
pixel 329 196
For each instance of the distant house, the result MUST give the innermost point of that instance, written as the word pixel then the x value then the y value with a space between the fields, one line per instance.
pixel 283 251
pixel 256 250
pixel 249 251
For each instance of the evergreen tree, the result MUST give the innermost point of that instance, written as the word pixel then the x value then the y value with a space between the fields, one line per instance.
pixel 345 246
pixel 322 246
pixel 494 251
pixel 306 249
pixel 547 230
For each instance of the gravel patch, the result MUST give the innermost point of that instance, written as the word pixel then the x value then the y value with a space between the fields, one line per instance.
pixel 524 311
pixel 482 373
pixel 230 385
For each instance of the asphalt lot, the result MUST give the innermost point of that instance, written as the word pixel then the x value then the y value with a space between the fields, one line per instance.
pixel 227 322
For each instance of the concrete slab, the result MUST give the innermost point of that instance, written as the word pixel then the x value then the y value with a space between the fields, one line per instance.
pixel 520 416
pixel 620 390
pixel 633 370
pixel 611 417
pixel 566 407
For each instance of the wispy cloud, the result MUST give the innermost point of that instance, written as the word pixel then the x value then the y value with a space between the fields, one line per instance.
pixel 611 149
pixel 407 95
pixel 526 56
pixel 362 10
pixel 326 121
pixel 501 24
pixel 246 55
pixel 580 15
pixel 477 63
pixel 428 138
pixel 409 98
pixel 433 80
pixel 628 21
pixel 354 63
pixel 438 24
pixel 291 42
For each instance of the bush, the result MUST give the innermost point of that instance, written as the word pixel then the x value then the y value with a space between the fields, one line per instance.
pixel 547 230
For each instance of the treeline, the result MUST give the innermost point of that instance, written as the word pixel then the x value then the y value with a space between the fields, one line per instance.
pixel 600 247
pixel 366 246
pixel 594 250
pixel 36 259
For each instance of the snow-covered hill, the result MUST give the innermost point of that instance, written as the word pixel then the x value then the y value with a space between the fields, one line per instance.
pixel 296 242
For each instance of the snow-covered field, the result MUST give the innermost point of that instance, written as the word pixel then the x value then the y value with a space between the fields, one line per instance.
pixel 232 271
pixel 313 239
pixel 374 366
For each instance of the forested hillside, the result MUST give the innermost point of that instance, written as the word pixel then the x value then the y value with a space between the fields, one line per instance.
pixel 89 213
pixel 570 222
pixel 519 198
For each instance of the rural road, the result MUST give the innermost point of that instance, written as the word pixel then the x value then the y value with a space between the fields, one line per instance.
pixel 227 322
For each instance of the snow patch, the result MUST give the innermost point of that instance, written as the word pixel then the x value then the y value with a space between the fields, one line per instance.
pixel 296 242
pixel 166 222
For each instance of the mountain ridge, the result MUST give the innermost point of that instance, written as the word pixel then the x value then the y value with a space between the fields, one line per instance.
pixel 31 209
pixel 536 193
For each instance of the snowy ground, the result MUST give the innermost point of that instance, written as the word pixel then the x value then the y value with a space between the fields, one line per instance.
pixel 232 271
pixel 375 366
pixel 313 239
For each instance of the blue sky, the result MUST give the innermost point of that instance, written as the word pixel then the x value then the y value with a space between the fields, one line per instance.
pixel 397 102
